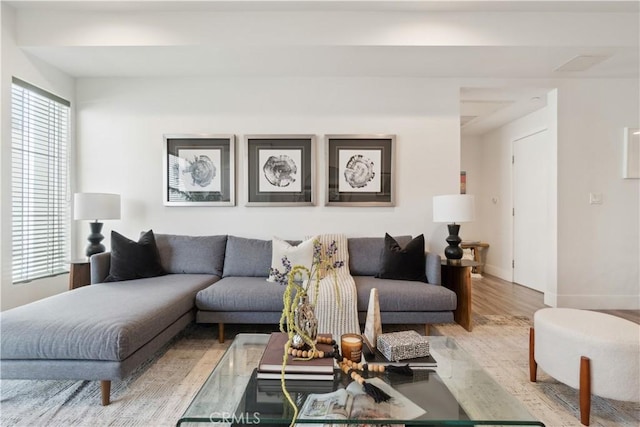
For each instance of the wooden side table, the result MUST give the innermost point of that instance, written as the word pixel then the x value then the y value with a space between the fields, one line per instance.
pixel 79 273
pixel 479 250
pixel 456 275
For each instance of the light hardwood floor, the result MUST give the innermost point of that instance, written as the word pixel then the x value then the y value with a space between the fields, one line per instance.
pixel 492 295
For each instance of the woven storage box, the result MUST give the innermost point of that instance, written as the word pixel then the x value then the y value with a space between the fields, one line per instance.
pixel 403 345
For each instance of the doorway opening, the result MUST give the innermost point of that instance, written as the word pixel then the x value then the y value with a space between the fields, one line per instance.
pixel 498 126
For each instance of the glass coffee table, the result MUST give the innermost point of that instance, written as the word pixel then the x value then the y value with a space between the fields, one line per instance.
pixel 457 392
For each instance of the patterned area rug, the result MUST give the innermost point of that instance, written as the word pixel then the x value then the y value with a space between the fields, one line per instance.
pixel 500 344
pixel 158 392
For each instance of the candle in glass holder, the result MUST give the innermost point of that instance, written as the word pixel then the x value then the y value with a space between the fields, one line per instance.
pixel 351 346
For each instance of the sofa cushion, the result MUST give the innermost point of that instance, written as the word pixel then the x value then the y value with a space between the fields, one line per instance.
pixel 400 295
pixel 300 254
pixel 134 260
pixel 241 294
pixel 192 254
pixel 365 254
pixel 247 257
pixel 108 321
pixel 403 262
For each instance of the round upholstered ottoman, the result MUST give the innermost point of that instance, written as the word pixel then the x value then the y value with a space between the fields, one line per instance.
pixel 593 352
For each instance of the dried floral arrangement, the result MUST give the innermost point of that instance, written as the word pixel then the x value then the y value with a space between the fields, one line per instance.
pixel 300 281
pixel 301 342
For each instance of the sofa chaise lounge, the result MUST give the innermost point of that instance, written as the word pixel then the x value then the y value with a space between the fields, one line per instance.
pixel 106 330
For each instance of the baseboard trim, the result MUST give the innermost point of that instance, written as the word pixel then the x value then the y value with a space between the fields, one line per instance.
pixel 551 299
pixel 504 274
pixel 599 302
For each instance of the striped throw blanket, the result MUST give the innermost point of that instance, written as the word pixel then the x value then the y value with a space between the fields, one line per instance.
pixel 336 307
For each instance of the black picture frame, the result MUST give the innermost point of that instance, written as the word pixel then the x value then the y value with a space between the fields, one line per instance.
pixel 199 170
pixel 280 170
pixel 360 170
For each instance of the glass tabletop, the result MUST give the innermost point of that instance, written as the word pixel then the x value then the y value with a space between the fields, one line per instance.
pixel 456 392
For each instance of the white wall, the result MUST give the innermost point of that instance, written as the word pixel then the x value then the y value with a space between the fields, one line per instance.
pixel 598 245
pixel 16 63
pixel 495 200
pixel 471 161
pixel 121 123
pixel 595 253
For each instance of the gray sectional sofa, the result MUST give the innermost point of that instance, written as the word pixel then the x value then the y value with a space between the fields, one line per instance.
pixel 244 296
pixel 106 330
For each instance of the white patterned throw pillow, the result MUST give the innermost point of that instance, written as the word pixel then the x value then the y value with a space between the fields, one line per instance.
pixel 301 254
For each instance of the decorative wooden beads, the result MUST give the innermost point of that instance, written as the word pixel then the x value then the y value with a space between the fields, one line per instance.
pixel 318 354
pixel 326 340
pixel 349 368
pixel 362 366
pixel 353 374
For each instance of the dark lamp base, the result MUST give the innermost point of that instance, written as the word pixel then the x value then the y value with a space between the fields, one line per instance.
pixel 95 247
pixel 453 251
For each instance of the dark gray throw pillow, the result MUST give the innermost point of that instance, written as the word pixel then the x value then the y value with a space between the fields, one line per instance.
pixel 365 254
pixel 134 260
pixel 406 263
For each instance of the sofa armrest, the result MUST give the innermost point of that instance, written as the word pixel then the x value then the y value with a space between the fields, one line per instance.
pixel 432 268
pixel 100 265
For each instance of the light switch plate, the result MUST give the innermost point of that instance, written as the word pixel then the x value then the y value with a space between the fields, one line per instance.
pixel 595 198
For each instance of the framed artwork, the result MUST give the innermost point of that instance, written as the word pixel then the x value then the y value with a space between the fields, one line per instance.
pixel 280 170
pixel 463 182
pixel 199 170
pixel 631 161
pixel 360 170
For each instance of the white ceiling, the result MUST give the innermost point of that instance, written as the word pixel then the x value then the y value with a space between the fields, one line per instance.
pixel 433 39
pixel 343 5
pixel 330 61
pixel 484 109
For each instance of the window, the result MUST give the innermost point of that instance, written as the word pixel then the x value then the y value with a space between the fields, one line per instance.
pixel 39 183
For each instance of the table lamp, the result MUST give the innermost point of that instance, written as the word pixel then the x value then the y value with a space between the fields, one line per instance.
pixel 453 208
pixel 96 206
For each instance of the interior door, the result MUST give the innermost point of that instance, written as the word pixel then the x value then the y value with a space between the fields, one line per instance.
pixel 530 210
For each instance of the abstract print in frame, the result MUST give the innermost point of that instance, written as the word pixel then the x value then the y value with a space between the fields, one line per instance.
pixel 280 170
pixel 360 170
pixel 199 170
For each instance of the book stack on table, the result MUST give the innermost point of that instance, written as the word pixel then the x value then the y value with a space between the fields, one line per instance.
pixel 270 366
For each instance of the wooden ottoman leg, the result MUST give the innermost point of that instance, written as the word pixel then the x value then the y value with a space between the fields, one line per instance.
pixel 105 391
pixel 533 365
pixel 585 390
pixel 220 332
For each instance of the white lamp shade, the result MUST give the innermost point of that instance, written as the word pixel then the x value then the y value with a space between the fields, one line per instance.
pixel 96 206
pixel 453 208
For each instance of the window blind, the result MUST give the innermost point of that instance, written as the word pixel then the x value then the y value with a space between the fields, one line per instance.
pixel 39 182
